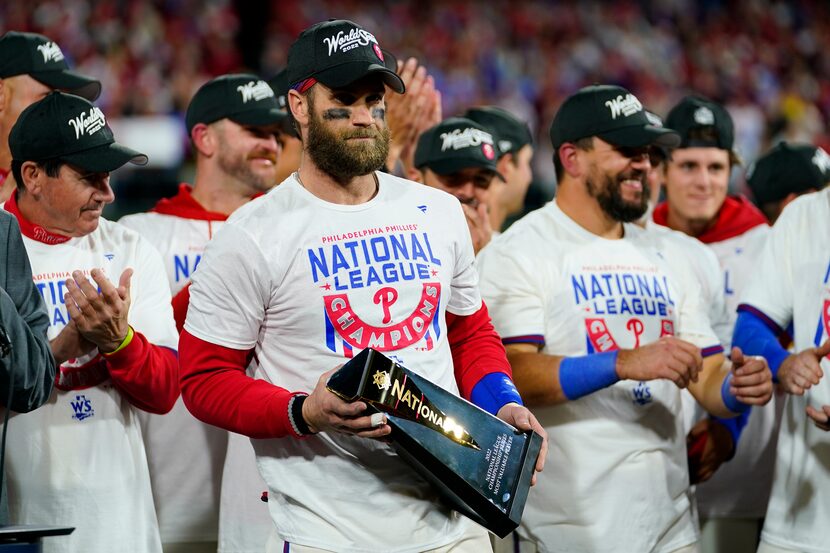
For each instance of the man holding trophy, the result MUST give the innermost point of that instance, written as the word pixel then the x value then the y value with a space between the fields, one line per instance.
pixel 337 259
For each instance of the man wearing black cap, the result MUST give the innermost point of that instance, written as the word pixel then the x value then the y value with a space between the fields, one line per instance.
pixel 231 121
pixel 696 177
pixel 786 172
pixel 458 156
pixel 306 277
pixel 603 328
pixel 31 65
pixel 514 147
pixel 80 460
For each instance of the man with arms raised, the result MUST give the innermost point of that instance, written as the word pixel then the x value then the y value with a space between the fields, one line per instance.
pixel 336 259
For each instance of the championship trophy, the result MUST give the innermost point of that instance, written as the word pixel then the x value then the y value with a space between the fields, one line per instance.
pixel 481 465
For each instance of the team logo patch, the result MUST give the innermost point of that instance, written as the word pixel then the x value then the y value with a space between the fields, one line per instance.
pixel 704 116
pixel 81 408
pixel 488 151
pixel 378 51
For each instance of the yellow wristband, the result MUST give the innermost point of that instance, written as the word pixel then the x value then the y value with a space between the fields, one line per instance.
pixel 127 339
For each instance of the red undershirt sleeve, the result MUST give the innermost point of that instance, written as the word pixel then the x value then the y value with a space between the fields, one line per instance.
pixel 180 302
pixel 476 349
pixel 146 374
pixel 217 390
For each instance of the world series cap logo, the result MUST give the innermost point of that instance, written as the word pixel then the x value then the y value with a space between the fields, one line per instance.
pixel 255 91
pixel 344 42
pixel 88 123
pixel 50 51
pixel 624 105
pixel 458 139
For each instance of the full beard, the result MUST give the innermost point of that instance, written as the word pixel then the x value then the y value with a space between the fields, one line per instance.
pixel 610 197
pixel 343 161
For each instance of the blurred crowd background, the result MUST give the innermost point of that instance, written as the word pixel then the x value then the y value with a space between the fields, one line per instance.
pixel 764 60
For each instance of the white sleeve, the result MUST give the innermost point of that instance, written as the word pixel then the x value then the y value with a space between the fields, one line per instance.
pixel 711 279
pixel 770 289
pixel 150 311
pixel 693 324
pixel 465 298
pixel 230 291
pixel 512 289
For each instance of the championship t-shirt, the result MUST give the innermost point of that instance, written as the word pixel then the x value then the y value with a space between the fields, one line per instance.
pixel 307 284
pixel 791 283
pixel 79 460
pixel 616 479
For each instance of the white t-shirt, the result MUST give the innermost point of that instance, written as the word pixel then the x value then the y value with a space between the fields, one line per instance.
pixel 307 284
pixel 79 460
pixel 616 479
pixel 185 456
pixel 791 283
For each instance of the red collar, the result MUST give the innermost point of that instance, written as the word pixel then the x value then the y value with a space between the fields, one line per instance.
pixel 737 215
pixel 31 230
pixel 185 206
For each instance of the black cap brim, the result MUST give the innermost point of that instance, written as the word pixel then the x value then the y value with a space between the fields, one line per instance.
pixel 69 81
pixel 638 136
pixel 105 159
pixel 454 165
pixel 258 117
pixel 347 73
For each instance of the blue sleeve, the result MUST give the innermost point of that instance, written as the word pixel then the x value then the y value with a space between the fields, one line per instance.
pixel 736 426
pixel 494 391
pixel 755 334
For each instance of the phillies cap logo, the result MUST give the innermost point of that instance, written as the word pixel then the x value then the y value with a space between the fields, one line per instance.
pixel 488 151
pixel 378 51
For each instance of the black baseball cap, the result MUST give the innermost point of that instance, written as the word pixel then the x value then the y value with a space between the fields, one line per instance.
pixel 695 113
pixel 69 128
pixel 338 52
pixel 788 168
pixel 510 132
pixel 41 58
pixel 243 98
pixel 610 112
pixel 455 144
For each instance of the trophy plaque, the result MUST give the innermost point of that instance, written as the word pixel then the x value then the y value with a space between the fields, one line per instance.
pixel 481 465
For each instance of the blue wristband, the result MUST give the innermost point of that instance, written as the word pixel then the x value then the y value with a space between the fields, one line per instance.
pixel 755 337
pixel 735 426
pixel 580 376
pixel 494 391
pixel 729 400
